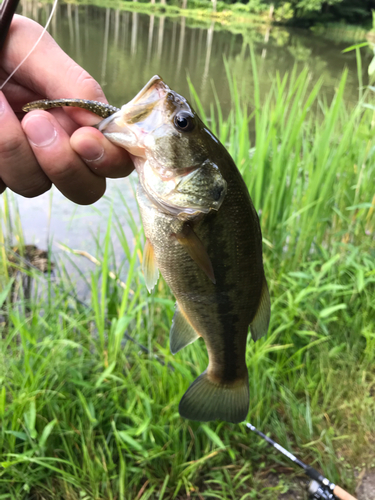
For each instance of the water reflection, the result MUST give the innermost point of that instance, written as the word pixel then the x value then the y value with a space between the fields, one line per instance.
pixel 117 27
pixel 123 50
pixel 160 36
pixel 150 36
pixel 181 45
pixel 105 46
pixel 70 24
pixel 266 38
pixel 210 36
pixel 173 42
pixel 77 32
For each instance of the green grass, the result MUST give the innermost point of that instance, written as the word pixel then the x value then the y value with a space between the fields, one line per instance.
pixel 87 414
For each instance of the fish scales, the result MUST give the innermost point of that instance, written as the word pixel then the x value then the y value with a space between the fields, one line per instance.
pixel 202 233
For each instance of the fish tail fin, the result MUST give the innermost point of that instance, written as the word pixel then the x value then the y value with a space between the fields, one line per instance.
pixel 207 400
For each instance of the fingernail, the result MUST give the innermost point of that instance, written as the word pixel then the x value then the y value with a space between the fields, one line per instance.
pixel 40 131
pixel 90 150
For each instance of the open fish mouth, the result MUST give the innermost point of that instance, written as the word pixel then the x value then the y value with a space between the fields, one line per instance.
pixel 137 119
pixel 154 90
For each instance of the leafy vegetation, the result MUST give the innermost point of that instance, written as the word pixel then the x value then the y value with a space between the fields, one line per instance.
pixel 87 413
pixel 328 10
pixel 302 12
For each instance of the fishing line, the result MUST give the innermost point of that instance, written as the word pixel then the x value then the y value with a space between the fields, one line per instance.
pixel 33 47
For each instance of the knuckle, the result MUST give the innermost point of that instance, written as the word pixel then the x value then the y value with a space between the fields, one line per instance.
pixel 17 157
pixel 34 184
pixel 31 191
pixel 62 170
pixel 20 24
pixel 88 83
pixel 11 148
pixel 83 80
pixel 26 31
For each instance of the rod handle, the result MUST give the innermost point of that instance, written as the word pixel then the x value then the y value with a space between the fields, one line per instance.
pixel 342 494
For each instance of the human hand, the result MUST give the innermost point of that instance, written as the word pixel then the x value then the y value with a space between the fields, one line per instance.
pixel 51 147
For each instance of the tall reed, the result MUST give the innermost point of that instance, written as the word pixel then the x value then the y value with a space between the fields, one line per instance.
pixel 310 165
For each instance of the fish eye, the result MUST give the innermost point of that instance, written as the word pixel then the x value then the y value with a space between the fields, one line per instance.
pixel 184 121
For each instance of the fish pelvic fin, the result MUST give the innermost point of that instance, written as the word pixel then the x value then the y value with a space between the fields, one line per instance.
pixel 259 325
pixel 206 400
pixel 149 266
pixel 181 333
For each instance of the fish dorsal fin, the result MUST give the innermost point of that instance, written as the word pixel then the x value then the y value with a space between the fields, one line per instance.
pixel 182 333
pixel 259 325
pixel 195 248
pixel 149 266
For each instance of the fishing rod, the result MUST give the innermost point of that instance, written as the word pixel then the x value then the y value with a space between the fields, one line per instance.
pixel 7 10
pixel 320 488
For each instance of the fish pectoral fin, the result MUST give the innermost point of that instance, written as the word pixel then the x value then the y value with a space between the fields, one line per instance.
pixel 150 269
pixel 182 333
pixel 259 325
pixel 195 248
pixel 206 400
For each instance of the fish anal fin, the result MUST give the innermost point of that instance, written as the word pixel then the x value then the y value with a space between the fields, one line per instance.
pixel 149 266
pixel 181 333
pixel 259 325
pixel 206 400
pixel 195 248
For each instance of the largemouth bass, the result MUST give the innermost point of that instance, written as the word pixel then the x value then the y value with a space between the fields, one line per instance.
pixel 203 234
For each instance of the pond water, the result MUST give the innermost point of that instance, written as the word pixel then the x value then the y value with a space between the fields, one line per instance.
pixel 122 50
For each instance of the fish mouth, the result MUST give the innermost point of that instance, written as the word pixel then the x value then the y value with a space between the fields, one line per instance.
pixel 154 89
pixel 130 126
pixel 141 106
